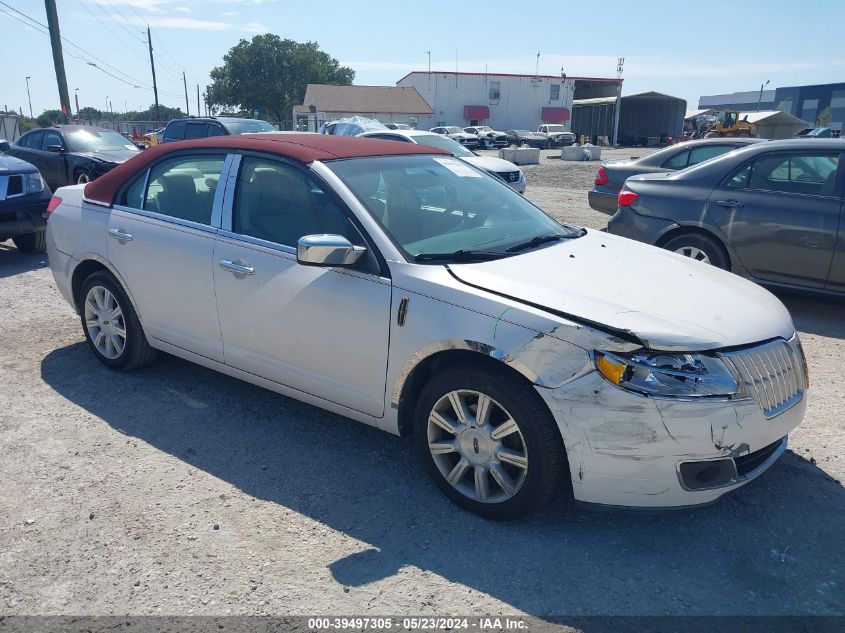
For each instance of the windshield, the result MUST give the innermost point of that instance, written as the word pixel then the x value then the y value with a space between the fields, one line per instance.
pixel 453 130
pixel 443 142
pixel 556 128
pixel 98 141
pixel 483 128
pixel 439 204
pixel 248 126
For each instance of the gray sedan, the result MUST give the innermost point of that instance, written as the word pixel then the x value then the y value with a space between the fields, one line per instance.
pixel 613 173
pixel 770 212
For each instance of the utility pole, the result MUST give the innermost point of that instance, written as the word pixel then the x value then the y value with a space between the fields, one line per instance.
pixel 199 111
pixel 30 98
pixel 185 84
pixel 153 66
pixel 58 60
pixel 76 99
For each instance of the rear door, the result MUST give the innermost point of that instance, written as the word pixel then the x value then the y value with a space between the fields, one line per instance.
pixel 780 213
pixel 161 241
pixel 836 276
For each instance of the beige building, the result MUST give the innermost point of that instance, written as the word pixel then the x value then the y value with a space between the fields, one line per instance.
pixel 388 104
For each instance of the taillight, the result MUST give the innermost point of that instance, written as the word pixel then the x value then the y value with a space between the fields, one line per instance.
pixel 626 197
pixel 55 201
pixel 601 177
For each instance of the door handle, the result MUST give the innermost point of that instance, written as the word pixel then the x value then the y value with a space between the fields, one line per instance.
pixel 735 204
pixel 120 234
pixel 238 269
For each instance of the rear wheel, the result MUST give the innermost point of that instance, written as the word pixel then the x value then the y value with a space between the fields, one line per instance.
pixel 111 326
pixel 701 248
pixel 488 442
pixel 712 135
pixel 743 134
pixel 31 242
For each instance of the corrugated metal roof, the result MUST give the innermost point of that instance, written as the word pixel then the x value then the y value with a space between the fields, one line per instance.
pixel 365 99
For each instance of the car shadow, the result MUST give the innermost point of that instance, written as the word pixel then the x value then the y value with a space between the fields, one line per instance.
pixel 773 547
pixel 816 314
pixel 13 262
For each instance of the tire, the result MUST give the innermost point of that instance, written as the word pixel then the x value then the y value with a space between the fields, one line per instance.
pixel 81 178
pixel 513 487
pixel 32 242
pixel 743 134
pixel 712 135
pixel 95 306
pixel 700 247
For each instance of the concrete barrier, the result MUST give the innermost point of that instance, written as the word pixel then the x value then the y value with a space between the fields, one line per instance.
pixel 584 152
pixel 521 155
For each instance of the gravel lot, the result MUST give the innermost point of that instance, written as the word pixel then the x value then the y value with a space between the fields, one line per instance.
pixel 176 490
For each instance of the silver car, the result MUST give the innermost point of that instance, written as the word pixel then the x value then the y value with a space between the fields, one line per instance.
pixel 404 288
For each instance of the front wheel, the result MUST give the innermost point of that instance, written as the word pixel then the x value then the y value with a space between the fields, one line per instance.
pixel 701 248
pixel 712 135
pixel 82 178
pixel 489 442
pixel 31 242
pixel 111 326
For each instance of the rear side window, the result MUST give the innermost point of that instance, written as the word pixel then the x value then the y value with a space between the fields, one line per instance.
pixel 806 173
pixel 706 152
pixel 184 187
pixel 175 131
pixel 195 130
pixel 678 161
pixel 31 140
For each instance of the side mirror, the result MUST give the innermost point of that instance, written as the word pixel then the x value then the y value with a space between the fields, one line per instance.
pixel 327 250
pixel 4 146
pixel 58 149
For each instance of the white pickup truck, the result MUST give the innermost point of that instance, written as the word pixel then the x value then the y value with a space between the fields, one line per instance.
pixel 557 134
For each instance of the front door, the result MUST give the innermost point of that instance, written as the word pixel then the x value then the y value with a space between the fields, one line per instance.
pixel 161 241
pixel 322 331
pixel 780 213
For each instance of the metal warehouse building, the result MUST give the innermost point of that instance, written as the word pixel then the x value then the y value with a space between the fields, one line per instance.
pixel 643 119
pixel 503 101
pixel 821 105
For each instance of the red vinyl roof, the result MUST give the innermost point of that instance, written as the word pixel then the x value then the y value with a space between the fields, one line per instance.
pixel 305 148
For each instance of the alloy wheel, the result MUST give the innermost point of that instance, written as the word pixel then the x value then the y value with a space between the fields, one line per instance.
pixel 105 322
pixel 695 253
pixel 477 446
pixel 82 179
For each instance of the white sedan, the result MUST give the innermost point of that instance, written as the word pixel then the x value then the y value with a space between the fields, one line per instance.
pixel 404 288
pixel 503 169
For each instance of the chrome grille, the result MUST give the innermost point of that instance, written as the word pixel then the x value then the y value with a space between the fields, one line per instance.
pixel 771 374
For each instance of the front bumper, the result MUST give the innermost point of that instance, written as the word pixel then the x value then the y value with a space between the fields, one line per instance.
pixel 19 216
pixel 628 450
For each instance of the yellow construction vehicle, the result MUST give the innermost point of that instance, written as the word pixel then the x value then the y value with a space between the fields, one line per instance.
pixel 727 124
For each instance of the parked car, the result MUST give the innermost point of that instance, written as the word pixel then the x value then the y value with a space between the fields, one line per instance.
pixel 397 126
pixel 397 285
pixel 502 169
pixel 771 212
pixel 557 134
pixel 457 134
pixel 23 203
pixel 526 137
pixel 487 136
pixel 612 173
pixel 70 154
pixel 186 128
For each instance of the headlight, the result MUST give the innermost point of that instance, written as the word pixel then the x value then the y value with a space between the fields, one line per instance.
pixel 34 183
pixel 667 374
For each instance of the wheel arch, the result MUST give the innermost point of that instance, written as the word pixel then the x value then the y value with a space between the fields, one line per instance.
pixel 410 384
pixel 678 231
pixel 87 266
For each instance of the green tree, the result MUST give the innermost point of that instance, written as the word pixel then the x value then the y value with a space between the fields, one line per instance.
pixel 89 114
pixel 271 73
pixel 823 119
pixel 50 117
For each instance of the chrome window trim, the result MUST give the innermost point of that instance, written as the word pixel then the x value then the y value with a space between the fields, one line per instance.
pixel 168 219
pixel 217 204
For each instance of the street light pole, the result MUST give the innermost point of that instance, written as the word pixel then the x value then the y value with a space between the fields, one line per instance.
pixel 760 98
pixel 30 98
pixel 107 105
pixel 76 99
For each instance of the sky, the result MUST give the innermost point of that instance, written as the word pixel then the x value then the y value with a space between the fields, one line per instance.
pixel 682 49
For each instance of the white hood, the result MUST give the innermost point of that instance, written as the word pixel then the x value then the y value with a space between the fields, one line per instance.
pixel 666 300
pixel 491 163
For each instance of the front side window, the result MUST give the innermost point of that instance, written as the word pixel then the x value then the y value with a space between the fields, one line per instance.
pixel 811 174
pixel 281 204
pixel 495 90
pixel 175 131
pixel 51 138
pixel 184 187
pixel 439 204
